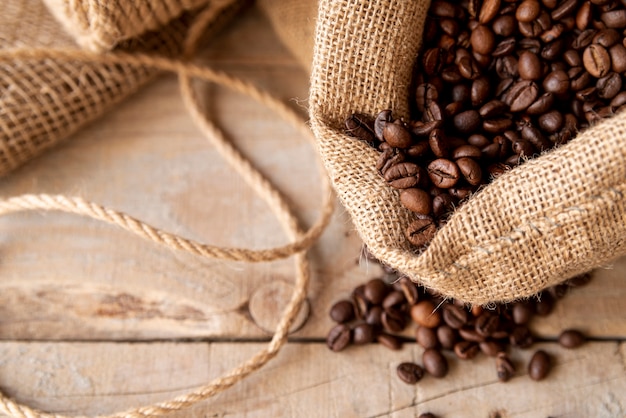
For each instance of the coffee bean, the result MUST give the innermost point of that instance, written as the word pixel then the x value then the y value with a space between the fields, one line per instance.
pixel 470 334
pixel 504 25
pixel 521 337
pixel 393 320
pixel 543 104
pixel 521 95
pixel 556 82
pixel 522 312
pixel 609 86
pixel 408 289
pixel 488 10
pixel 467 122
pixel 572 58
pixel 583 16
pixel 416 200
pixel 410 373
pixel 394 300
pixel 447 337
pixel 435 363
pixel 544 304
pixel 375 291
pixel 566 8
pixel 403 175
pixel 479 92
pixel 539 365
pixel 596 60
pixel 423 313
pixel 361 127
pixel 426 337
pixel 571 338
pixel 551 122
pixel 482 40
pixel 467 151
pixel 339 337
pixel 443 173
pixel 454 316
pixel 380 122
pixel 618 58
pixel 389 341
pixel 374 316
pixel 470 170
pixel 486 324
pixel 504 367
pixel 466 350
pixel 342 311
pixel 527 11
pixel 396 135
pixel 438 143
pixel 363 334
pixel 529 66
pixel 468 68
pixel 607 38
pixel 490 348
pixel 584 39
pixel 421 231
pixel 614 18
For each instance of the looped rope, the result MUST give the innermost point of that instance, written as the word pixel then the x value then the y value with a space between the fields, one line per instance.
pixel 301 240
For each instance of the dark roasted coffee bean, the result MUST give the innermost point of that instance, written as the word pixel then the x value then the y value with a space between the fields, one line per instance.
pixel 426 337
pixel 497 125
pixel 342 311
pixel 467 122
pixel 609 86
pixel 492 109
pixel 443 173
pixel 421 231
pixel 375 291
pixel 564 9
pixel 393 320
pixel 571 338
pixel 490 348
pixel 339 337
pixel 447 336
pixel 394 300
pixel 539 365
pixel 607 38
pixel 470 170
pixel 551 122
pixel 551 35
pixel 583 16
pixel 421 129
pixel 521 95
pixel 416 200
pixel 361 127
pixel 435 363
pixel 614 19
pixel 579 78
pixel 556 82
pixel 504 367
pixel 522 312
pixel 454 316
pixel 470 334
pixel 553 50
pixel 387 159
pixel 468 68
pixel 545 304
pixel 488 10
pixel 397 135
pixel 469 151
pixel 504 25
pixel 361 304
pixel 527 11
pixel 425 93
pixel 529 66
pixel 479 92
pixel 486 324
pixel 439 144
pixel 390 341
pixel 523 148
pixel 543 104
pixel 466 350
pixel 423 313
pixel 432 61
pixel 442 8
pixel 534 136
pixel 443 205
pixel 596 60
pixel 410 373
pixel 408 289
pixel 403 175
pixel 521 337
pixel 572 58
pixel 483 40
pixel 374 316
pixel 380 122
pixel 363 334
pixel 617 54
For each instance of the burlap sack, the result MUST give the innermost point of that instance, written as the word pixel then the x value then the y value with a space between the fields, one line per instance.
pixel 552 218
pixel 44 101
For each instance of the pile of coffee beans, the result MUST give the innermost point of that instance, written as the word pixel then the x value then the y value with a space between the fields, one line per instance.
pixel 497 82
pixel 382 309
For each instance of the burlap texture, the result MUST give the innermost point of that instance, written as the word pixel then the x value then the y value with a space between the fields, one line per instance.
pixel 44 101
pixel 549 219
pixel 100 25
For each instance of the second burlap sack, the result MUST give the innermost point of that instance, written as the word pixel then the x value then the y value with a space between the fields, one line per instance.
pixel 551 218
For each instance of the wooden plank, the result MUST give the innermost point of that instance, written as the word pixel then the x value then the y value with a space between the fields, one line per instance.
pixel 309 380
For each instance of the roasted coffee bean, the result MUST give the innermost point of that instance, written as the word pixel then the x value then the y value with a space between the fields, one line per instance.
pixel 543 104
pixel 361 304
pixel 579 78
pixel 571 338
pixel 522 312
pixel 556 82
pixel 443 204
pixel 539 365
pixel 607 38
pixel 479 92
pixel 390 341
pixel 483 40
pixel 551 122
pixel 497 125
pixel 361 127
pixel 394 300
pixel 609 86
pixel 572 58
pixel 397 135
pixel 486 324
pixel 490 348
pixel 425 94
pixel 467 122
pixel 468 68
pixel 597 60
pixel 521 337
pixel 375 291
pixel 447 336
pixel 374 316
pixel 564 9
pixel 584 39
pixel 342 311
pixel 521 95
pixel 545 304
pixel 614 18
pixel 438 143
pixel 583 16
pixel 426 337
pixel 504 25
pixel 527 11
pixel 617 53
pixel 363 334
pixel 503 49
pixel 435 363
pixel 443 173
pixel 470 170
pixel 408 289
pixel 423 313
pixel 339 337
pixel 529 66
pixel 421 231
pixel 380 122
pixel 488 10
pixel 416 200
pixel 504 367
pixel 393 320
pixel 410 373
pixel 454 316
pixel 466 350
pixel 403 175
pixel 466 151
pixel 470 334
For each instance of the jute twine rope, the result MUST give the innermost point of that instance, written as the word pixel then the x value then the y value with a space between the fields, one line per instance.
pixel 301 240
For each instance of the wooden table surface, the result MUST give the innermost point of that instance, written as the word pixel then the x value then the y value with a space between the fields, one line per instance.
pixel 94 320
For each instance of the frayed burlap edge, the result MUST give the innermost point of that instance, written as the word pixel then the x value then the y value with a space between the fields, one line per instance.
pixel 552 218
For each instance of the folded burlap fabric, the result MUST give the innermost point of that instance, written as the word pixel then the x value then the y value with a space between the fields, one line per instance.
pixel 45 100
pixel 551 218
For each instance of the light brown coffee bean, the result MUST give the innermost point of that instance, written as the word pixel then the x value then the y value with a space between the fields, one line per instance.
pixel 483 40
pixel 488 11
pixel 539 365
pixel 416 200
pixel 423 313
pixel 597 60
pixel 527 11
